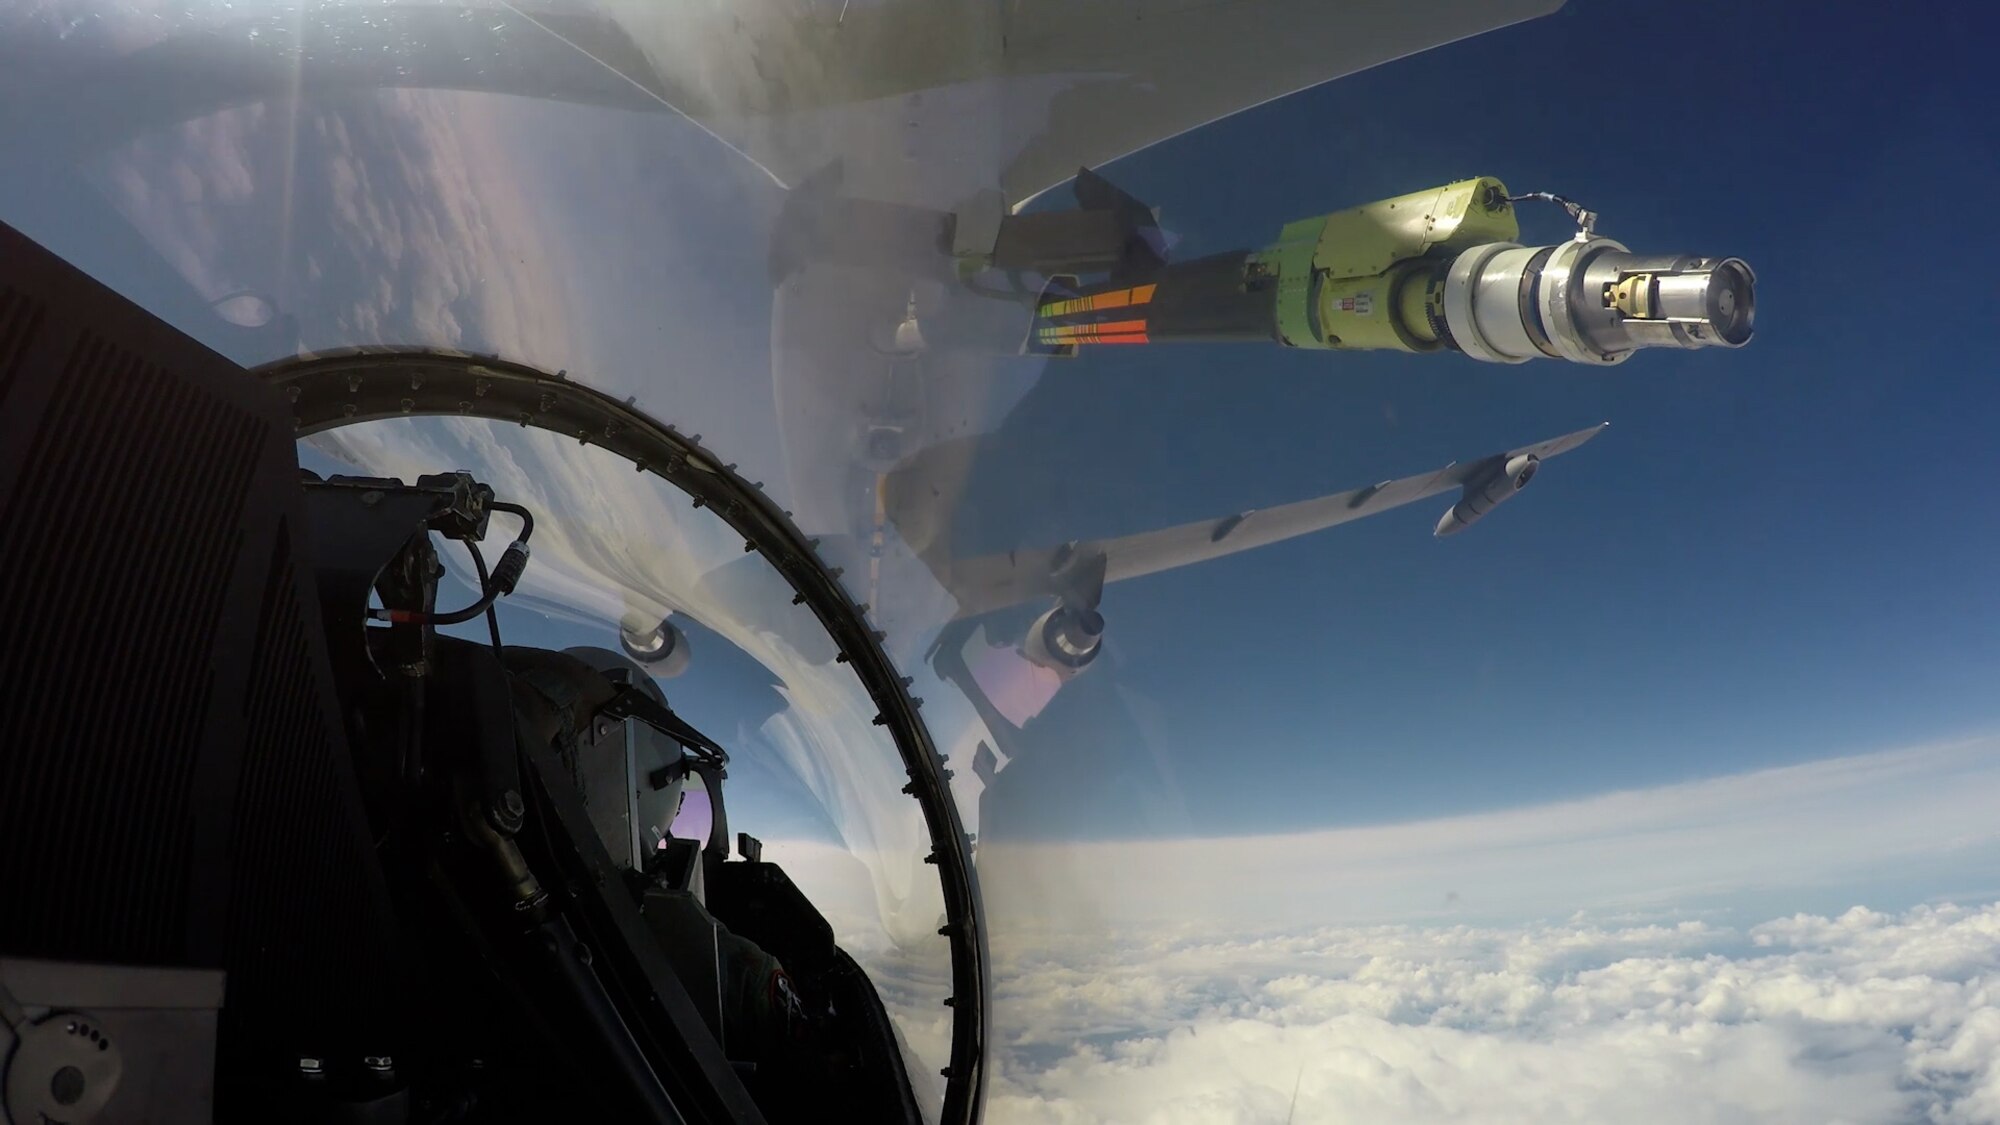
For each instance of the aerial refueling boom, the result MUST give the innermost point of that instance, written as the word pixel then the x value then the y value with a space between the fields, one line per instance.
pixel 1433 270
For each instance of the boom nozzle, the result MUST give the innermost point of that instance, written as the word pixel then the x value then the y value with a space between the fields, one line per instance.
pixel 1593 301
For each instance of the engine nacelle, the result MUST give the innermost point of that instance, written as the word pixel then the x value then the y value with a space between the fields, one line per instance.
pixel 1483 494
pixel 1065 640
pixel 663 649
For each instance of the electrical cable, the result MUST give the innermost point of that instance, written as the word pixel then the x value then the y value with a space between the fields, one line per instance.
pixel 492 587
pixel 1586 220
pixel 527 518
pixel 488 595
pixel 485 580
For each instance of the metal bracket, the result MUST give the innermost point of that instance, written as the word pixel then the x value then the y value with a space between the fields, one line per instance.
pixel 631 703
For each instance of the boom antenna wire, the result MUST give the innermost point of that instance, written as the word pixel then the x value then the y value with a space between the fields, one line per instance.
pixel 1586 220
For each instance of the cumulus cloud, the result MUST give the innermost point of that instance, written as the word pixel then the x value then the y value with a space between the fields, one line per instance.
pixel 1170 980
pixel 1860 1017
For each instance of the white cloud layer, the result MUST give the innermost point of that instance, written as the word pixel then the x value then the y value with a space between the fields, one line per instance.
pixel 1862 1017
pixel 1828 827
pixel 1170 981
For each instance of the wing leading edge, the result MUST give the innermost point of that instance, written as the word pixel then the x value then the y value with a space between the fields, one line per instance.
pixel 996 581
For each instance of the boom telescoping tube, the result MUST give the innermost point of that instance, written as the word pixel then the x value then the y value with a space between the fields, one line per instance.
pixel 1430 271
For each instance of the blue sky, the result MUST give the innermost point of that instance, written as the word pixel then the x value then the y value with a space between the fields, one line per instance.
pixel 1775 554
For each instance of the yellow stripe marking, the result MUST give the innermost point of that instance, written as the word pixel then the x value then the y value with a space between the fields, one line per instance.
pixel 1112 299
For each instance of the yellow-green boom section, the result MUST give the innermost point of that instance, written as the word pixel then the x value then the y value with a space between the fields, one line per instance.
pixel 1372 276
pixel 1432 270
